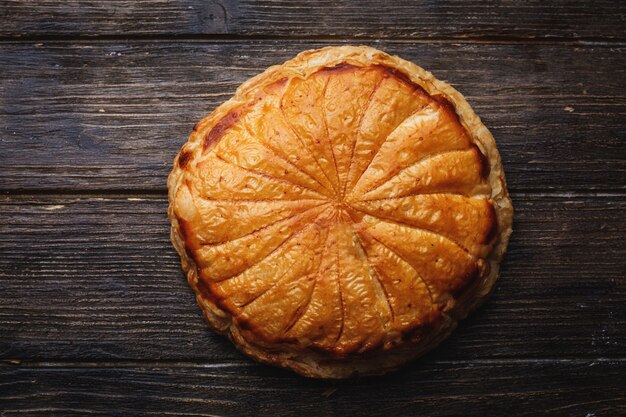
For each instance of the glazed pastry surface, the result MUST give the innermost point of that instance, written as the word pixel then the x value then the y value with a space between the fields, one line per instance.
pixel 340 213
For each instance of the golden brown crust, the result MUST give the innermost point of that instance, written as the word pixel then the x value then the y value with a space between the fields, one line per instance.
pixel 352 302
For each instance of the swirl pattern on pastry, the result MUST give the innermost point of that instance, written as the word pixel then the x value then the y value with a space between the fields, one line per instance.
pixel 341 213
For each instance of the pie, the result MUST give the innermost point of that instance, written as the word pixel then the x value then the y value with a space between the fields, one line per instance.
pixel 340 214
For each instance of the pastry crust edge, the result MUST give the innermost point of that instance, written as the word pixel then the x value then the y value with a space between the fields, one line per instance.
pixel 313 364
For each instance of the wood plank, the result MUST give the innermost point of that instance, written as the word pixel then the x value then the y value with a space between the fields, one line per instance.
pixel 95 278
pixel 556 388
pixel 112 115
pixel 366 18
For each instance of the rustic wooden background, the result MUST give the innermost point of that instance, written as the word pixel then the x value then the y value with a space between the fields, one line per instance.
pixel 96 97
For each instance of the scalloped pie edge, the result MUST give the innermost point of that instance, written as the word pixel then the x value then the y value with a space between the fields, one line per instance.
pixel 314 364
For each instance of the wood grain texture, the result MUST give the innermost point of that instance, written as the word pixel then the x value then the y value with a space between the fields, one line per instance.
pixel 574 19
pixel 480 388
pixel 96 97
pixel 110 115
pixel 97 279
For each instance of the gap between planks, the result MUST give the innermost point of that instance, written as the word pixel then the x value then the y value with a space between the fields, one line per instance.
pixel 120 194
pixel 88 364
pixel 463 39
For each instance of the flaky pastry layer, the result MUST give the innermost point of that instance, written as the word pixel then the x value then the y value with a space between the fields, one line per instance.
pixel 340 213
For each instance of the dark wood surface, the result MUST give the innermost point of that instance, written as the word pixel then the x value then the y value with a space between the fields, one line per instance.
pixel 113 114
pixel 96 97
pixel 430 19
pixel 130 302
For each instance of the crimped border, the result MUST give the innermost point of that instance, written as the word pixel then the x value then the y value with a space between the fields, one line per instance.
pixel 312 364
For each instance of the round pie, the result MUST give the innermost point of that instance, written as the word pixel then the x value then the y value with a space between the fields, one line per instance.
pixel 340 214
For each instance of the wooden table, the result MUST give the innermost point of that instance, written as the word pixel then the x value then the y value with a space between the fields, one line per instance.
pixel 96 97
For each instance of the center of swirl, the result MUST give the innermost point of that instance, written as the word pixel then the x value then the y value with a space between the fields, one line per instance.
pixel 336 211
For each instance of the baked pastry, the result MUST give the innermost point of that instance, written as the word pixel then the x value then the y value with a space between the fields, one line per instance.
pixel 340 213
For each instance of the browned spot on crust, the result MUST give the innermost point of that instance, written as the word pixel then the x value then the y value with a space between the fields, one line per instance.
pixel 196 126
pixel 492 221
pixel 343 67
pixel 233 116
pixel 399 75
pixel 447 107
pixel 184 158
pixel 182 229
pixel 485 168
pixel 218 130
pixel 186 235
pixel 470 280
pixel 244 324
pixel 205 291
